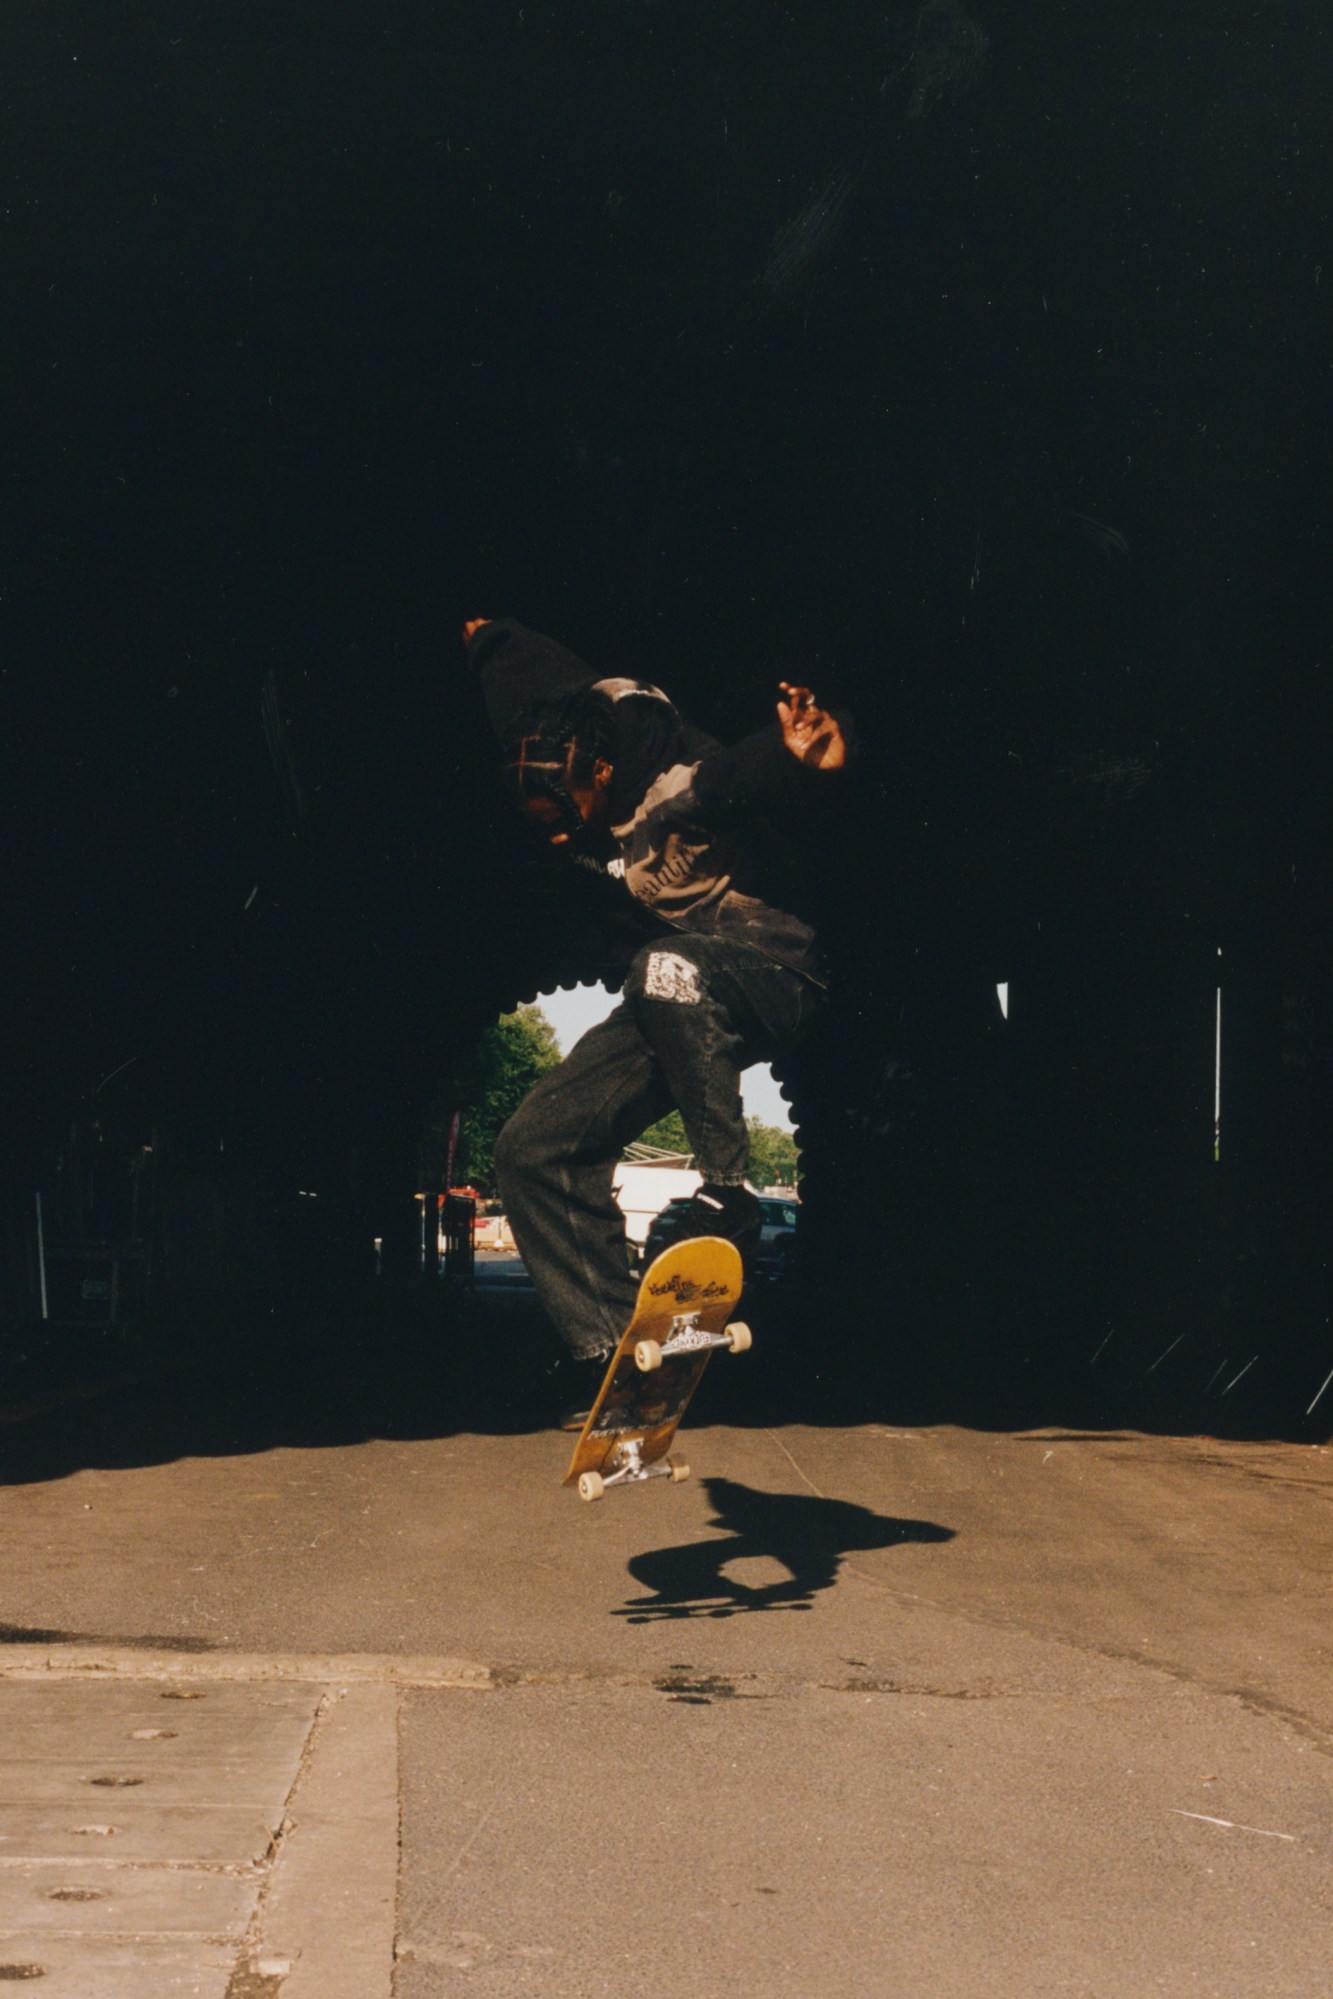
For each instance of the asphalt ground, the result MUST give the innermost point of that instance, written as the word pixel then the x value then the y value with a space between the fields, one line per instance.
pixel 865 1706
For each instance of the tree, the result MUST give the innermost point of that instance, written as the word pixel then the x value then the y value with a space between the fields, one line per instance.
pixel 775 1158
pixel 487 1081
pixel 668 1134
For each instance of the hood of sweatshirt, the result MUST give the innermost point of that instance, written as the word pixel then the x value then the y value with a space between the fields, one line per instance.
pixel 523 672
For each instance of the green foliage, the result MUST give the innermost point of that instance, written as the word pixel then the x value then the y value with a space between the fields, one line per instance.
pixel 487 1081
pixel 775 1158
pixel 668 1134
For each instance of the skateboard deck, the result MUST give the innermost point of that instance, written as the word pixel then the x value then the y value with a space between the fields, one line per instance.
pixel 682 1316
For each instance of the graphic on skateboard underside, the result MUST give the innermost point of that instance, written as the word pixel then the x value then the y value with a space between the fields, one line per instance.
pixel 680 1318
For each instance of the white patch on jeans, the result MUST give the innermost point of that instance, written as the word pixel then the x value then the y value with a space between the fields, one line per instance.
pixel 671 977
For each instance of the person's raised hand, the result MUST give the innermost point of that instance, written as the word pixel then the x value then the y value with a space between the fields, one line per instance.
pixel 809 731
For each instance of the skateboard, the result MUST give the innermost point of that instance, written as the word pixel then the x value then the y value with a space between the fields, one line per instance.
pixel 680 1318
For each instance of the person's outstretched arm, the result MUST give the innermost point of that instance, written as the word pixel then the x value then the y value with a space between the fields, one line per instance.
pixel 798 760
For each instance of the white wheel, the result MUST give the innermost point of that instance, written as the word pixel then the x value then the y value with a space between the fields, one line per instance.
pixel 591 1485
pixel 647 1356
pixel 740 1338
pixel 679 1473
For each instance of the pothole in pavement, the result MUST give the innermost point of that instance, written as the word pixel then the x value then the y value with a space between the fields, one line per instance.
pixel 76 1895
pixel 115 1783
pixel 699 1689
pixel 258 1980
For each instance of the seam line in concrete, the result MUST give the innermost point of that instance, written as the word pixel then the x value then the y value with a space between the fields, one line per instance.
pixel 218 1869
pixel 75 1663
pixel 218 1939
pixel 325 1920
pixel 248 1952
pixel 127 1662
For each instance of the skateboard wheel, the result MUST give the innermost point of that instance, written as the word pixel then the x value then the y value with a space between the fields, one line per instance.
pixel 679 1473
pixel 591 1485
pixel 648 1355
pixel 739 1338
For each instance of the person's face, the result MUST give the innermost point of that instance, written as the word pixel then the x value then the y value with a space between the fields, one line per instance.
pixel 589 800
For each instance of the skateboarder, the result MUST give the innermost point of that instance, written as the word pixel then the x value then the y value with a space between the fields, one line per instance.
pixel 610 774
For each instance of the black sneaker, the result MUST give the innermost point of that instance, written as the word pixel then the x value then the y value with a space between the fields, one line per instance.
pixel 733 1213
pixel 574 1381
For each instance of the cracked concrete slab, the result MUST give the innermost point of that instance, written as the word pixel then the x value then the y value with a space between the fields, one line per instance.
pixel 129 1970
pixel 112 1899
pixel 135 1824
pixel 117 1754
pixel 204 1835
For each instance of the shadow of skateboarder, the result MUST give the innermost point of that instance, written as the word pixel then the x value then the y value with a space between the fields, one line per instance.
pixel 804 1535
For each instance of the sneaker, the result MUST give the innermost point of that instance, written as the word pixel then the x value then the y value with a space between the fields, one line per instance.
pixel 574 1380
pixel 733 1213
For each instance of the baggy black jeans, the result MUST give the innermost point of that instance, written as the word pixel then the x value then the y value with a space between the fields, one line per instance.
pixel 696 1011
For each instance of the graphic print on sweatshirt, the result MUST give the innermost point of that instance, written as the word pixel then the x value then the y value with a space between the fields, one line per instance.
pixel 687 873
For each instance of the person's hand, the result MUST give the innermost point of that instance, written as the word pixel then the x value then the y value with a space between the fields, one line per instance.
pixel 809 731
pixel 472 627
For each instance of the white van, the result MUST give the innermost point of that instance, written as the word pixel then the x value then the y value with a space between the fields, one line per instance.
pixel 642 1190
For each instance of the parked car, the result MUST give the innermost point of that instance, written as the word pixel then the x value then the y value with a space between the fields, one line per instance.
pixel 777 1237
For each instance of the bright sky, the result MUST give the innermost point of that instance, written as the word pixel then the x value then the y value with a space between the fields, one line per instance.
pixel 573 1013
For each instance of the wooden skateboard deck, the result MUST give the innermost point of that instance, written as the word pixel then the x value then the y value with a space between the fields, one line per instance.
pixel 681 1317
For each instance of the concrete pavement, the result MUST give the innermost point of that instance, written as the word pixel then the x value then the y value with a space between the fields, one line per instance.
pixel 777 1839
pixel 136 1824
pixel 924 1711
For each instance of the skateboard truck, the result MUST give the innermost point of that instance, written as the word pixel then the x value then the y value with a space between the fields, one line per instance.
pixel 628 1468
pixel 625 1466
pixel 685 1336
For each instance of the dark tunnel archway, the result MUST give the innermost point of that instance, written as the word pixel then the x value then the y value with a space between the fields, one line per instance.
pixel 941 356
